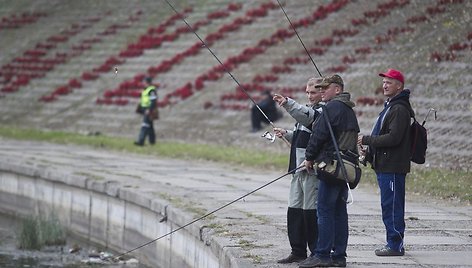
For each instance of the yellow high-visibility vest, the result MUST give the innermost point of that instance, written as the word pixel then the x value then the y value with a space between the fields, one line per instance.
pixel 145 100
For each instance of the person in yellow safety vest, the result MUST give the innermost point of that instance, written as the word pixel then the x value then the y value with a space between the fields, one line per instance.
pixel 148 108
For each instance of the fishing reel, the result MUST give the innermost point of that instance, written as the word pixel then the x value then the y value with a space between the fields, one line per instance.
pixel 269 136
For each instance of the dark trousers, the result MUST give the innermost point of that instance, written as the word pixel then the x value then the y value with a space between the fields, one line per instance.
pixel 302 230
pixel 147 130
pixel 392 199
pixel 332 220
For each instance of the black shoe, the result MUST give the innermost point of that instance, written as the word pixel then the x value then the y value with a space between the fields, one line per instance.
pixel 338 262
pixel 291 258
pixel 386 251
pixel 304 261
pixel 314 261
pixel 138 143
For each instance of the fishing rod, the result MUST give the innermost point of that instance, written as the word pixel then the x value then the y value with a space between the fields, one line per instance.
pixel 209 213
pixel 295 30
pixel 225 69
pixel 350 198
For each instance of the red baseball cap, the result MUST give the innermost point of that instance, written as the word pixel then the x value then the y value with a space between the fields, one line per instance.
pixel 394 74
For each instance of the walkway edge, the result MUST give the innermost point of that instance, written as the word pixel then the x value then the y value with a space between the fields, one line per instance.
pixel 209 250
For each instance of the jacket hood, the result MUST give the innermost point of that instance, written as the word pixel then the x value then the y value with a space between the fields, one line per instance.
pixel 345 97
pixel 403 96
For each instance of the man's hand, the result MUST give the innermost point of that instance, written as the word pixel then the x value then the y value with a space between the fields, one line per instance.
pixel 308 164
pixel 359 140
pixel 281 100
pixel 279 132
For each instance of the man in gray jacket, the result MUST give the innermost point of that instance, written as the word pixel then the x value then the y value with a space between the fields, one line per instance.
pixel 301 213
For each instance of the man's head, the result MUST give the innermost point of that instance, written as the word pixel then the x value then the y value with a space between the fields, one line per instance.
pixel 266 94
pixel 312 92
pixel 330 86
pixel 392 82
pixel 148 80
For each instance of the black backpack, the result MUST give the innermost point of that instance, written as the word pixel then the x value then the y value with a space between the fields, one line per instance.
pixel 419 142
pixel 419 139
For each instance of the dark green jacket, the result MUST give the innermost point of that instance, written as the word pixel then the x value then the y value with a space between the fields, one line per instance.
pixel 343 120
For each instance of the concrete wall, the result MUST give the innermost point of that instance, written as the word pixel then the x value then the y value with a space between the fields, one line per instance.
pixel 117 218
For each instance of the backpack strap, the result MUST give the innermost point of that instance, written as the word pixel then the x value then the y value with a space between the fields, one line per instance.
pixel 407 106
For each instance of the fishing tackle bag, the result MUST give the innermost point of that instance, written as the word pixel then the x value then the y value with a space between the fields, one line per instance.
pixel 344 168
pixel 332 171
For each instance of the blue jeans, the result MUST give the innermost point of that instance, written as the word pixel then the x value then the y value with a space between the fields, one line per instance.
pixel 332 220
pixel 147 129
pixel 392 199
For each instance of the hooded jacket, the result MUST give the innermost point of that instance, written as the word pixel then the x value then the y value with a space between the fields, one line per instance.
pixel 343 120
pixel 389 149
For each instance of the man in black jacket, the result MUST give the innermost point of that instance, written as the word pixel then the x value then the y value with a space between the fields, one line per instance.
pixel 332 196
pixel 389 154
pixel 268 106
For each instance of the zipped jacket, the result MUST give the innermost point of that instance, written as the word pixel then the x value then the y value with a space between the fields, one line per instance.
pixel 300 135
pixel 389 151
pixel 344 123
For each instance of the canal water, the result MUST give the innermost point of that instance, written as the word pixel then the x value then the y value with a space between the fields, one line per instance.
pixel 51 256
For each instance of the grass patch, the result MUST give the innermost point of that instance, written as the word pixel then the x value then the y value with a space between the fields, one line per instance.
pixel 441 183
pixel 217 153
pixel 36 232
pixel 217 228
pixel 255 258
pixel 263 219
pixel 29 235
pixel 187 206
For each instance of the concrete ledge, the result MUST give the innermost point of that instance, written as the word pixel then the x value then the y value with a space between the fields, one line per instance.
pixel 110 215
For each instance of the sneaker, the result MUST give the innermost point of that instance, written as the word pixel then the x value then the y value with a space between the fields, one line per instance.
pixel 338 262
pixel 387 251
pixel 138 143
pixel 314 261
pixel 291 258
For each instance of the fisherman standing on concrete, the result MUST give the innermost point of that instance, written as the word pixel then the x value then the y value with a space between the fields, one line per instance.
pixel 388 152
pixel 268 106
pixel 148 108
pixel 301 214
pixel 333 228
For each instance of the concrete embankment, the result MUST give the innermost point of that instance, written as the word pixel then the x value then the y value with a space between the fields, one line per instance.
pixel 122 201
pixel 108 213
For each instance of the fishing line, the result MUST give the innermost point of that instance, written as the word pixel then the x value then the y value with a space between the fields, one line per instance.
pixel 295 30
pixel 209 213
pixel 224 67
pixel 350 198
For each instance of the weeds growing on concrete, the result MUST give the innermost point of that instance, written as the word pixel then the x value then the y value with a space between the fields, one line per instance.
pixel 36 232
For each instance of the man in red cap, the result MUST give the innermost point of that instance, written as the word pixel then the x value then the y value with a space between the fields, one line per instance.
pixel 388 152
